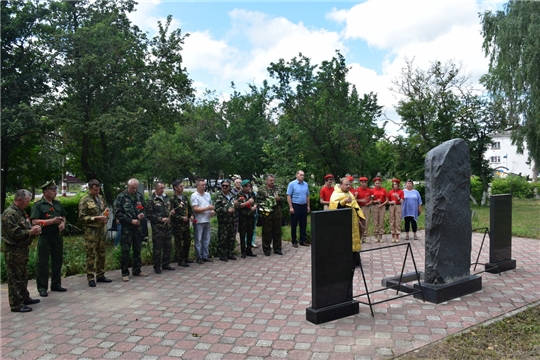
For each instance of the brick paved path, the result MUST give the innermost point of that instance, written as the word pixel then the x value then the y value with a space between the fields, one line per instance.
pixel 252 309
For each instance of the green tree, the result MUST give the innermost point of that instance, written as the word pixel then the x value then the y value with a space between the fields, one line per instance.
pixel 248 126
pixel 26 65
pixel 511 40
pixel 206 132
pixel 439 104
pixel 323 124
pixel 115 87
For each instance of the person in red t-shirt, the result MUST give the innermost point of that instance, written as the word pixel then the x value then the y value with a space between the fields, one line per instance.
pixel 379 208
pixel 326 191
pixel 363 196
pixel 395 197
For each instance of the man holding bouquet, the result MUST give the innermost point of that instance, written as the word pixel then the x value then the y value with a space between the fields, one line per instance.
pixel 270 209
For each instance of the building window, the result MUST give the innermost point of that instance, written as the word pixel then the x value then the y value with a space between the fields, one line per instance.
pixel 495 159
pixel 496 145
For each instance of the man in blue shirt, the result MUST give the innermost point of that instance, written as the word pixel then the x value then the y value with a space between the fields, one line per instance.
pixel 298 199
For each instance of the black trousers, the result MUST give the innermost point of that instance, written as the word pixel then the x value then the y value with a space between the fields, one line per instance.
pixel 299 216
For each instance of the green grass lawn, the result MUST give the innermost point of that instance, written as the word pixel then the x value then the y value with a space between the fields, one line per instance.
pixel 515 337
pixel 525 218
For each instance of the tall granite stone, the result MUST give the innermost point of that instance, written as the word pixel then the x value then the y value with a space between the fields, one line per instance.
pixel 448 223
pixel 448 213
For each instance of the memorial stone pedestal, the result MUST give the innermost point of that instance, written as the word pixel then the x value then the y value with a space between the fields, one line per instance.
pixel 331 266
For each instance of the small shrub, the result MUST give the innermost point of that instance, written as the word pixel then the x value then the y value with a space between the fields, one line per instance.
pixel 517 186
pixel 476 189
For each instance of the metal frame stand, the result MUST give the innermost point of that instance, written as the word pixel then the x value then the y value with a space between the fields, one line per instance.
pixel 486 232
pixel 399 287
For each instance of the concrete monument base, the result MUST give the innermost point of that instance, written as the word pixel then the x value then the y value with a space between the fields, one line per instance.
pixel 441 293
pixel 333 312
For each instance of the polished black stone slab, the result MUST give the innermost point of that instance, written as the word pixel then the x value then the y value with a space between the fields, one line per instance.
pixel 500 234
pixel 334 312
pixel 500 266
pixel 331 266
pixel 441 293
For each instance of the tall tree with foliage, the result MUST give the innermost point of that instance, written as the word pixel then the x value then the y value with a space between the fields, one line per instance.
pixel 324 125
pixel 248 126
pixel 26 65
pixel 512 43
pixel 115 87
pixel 437 105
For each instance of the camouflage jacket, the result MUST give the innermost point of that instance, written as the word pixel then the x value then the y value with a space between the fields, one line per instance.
pixel 222 205
pixel 16 227
pixel 128 207
pixel 264 192
pixel 90 208
pixel 182 208
pixel 158 208
pixel 42 210
pixel 246 210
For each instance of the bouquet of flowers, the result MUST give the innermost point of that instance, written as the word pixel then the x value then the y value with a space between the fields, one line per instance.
pixel 266 207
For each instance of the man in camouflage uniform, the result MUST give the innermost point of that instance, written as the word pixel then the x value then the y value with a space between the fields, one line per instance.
pixel 226 204
pixel 17 235
pixel 130 213
pixel 271 229
pixel 51 216
pixel 181 213
pixel 93 214
pixel 158 209
pixel 246 224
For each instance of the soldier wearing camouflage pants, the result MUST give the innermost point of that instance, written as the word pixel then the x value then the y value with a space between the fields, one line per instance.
pixel 271 229
pixel 226 204
pixel 92 214
pixel 158 209
pixel 130 213
pixel 246 224
pixel 181 213
pixel 17 235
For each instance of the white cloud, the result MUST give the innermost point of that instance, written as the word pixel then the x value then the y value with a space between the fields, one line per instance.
pixel 389 24
pixel 254 41
pixel 423 30
pixel 144 17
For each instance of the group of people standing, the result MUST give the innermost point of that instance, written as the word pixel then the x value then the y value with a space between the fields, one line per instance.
pixel 235 206
pixel 373 201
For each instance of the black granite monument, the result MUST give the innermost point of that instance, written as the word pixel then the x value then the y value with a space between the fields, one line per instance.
pixel 331 266
pixel 448 224
pixel 500 234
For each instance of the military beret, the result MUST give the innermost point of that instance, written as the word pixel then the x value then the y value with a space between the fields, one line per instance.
pixel 363 178
pixel 394 180
pixel 245 182
pixel 49 185
pixel 329 176
pixel 377 179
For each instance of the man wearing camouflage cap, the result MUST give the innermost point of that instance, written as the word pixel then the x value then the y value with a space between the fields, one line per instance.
pixel 51 216
pixel 17 235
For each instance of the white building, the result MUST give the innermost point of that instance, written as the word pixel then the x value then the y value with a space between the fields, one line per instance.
pixel 504 159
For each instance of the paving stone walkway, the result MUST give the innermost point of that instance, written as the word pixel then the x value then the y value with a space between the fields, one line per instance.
pixel 253 308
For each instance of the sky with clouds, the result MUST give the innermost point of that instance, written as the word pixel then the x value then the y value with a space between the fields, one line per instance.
pixel 237 41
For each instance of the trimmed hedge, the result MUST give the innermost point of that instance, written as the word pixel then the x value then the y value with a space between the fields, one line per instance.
pixel 516 185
